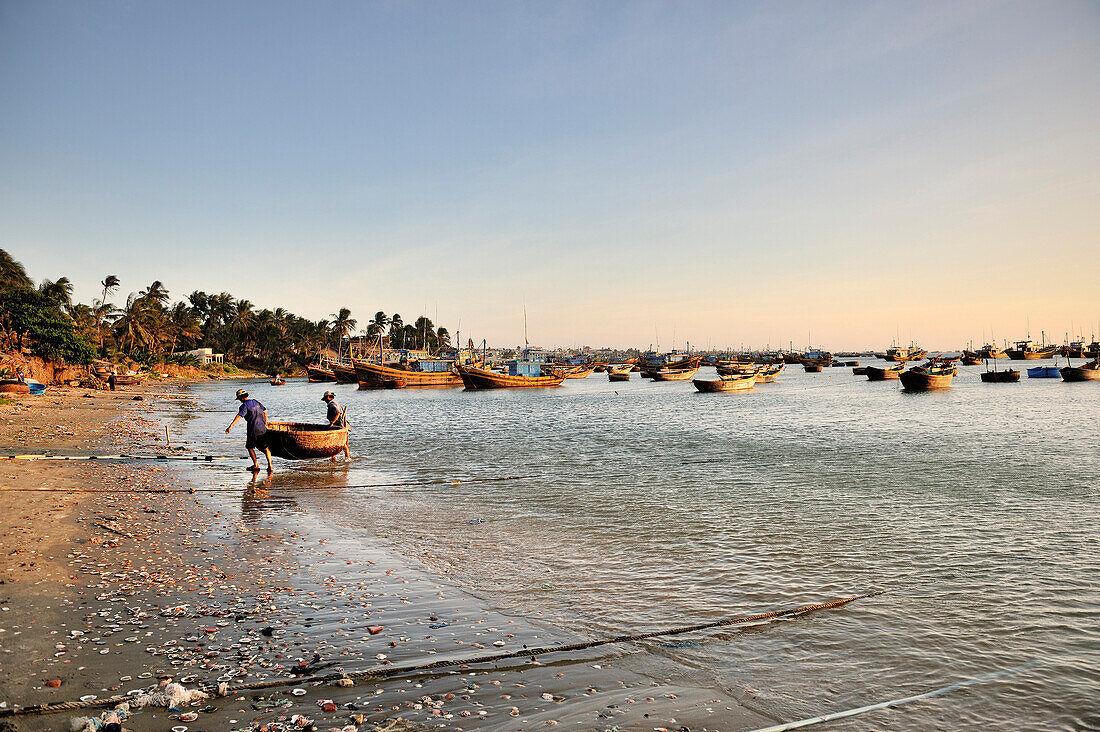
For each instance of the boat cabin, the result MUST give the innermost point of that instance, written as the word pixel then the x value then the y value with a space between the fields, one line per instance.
pixel 432 365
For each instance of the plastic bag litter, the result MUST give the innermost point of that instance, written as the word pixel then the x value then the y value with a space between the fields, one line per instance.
pixel 172 695
pixel 109 721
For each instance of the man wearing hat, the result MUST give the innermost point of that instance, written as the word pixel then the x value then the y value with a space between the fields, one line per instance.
pixel 255 419
pixel 336 419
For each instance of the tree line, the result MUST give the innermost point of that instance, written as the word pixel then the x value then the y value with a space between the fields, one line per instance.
pixel 150 327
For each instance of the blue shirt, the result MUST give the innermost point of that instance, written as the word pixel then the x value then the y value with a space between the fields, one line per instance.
pixel 253 413
pixel 334 411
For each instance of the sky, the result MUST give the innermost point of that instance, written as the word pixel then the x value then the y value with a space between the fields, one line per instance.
pixel 724 174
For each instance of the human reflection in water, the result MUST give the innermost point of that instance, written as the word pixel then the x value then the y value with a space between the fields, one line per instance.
pixel 258 501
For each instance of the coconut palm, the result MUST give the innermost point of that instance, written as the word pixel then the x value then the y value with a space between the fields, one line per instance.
pixel 59 291
pixel 12 274
pixel 131 327
pixel 110 284
pixel 343 325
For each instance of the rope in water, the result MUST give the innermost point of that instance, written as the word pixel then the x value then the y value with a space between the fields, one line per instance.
pixel 897 702
pixel 120 491
pixel 390 671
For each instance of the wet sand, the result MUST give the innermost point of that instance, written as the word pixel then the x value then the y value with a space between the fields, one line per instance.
pixel 138 579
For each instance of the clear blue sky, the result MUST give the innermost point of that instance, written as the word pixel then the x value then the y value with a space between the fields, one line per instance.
pixel 725 173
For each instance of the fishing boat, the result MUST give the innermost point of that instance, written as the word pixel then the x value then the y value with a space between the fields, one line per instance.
pixel 653 363
pixel 426 372
pixel 1005 376
pixel 300 441
pixel 1075 349
pixel 128 379
pixel 812 367
pixel 344 373
pixel 971 358
pixel 898 354
pixel 522 373
pixel 1026 350
pixel 318 373
pixel 1044 372
pixel 619 371
pixel 769 374
pixel 737 368
pixel 932 375
pixel 14 386
pixel 735 382
pixel 876 373
pixel 991 351
pixel 1086 372
pixel 678 374
pixel 36 387
pixel 278 381
pixel 860 370
pixel 578 372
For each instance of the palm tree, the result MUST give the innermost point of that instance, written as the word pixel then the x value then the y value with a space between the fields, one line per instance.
pixel 110 284
pixel 60 292
pixel 343 325
pixel 131 325
pixel 12 274
pixel 183 325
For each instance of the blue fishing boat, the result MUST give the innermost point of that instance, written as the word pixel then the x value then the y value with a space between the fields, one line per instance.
pixel 36 387
pixel 1044 372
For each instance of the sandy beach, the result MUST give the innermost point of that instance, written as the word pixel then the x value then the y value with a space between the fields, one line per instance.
pixel 119 577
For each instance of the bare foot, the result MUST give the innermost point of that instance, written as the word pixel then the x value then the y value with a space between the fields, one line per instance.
pixel 254 468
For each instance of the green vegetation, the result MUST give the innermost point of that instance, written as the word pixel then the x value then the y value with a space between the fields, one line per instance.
pixel 149 327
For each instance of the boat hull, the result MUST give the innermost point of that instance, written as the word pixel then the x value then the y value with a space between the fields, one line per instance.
pixel 1001 377
pixel 344 374
pixel 374 376
pixel 298 441
pixel 1080 373
pixel 618 376
pixel 914 380
pixel 1017 354
pixel 475 378
pixel 318 375
pixel 684 375
pixel 724 385
pixel 1043 372
pixel 875 373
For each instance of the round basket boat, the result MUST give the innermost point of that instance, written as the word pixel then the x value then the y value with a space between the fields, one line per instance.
pixel 300 441
pixel 13 386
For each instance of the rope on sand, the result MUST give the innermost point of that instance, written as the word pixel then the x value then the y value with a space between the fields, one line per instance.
pixel 390 671
pixel 897 702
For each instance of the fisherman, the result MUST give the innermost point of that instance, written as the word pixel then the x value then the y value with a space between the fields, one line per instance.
pixel 112 380
pixel 336 419
pixel 255 418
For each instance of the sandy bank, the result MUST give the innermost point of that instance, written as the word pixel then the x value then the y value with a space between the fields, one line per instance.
pixel 116 574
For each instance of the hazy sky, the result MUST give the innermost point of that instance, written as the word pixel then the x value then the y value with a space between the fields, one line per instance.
pixel 722 173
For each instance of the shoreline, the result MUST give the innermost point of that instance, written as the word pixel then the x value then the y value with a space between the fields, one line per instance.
pixel 189 585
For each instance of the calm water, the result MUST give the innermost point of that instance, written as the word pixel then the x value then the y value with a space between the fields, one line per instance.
pixel 976 509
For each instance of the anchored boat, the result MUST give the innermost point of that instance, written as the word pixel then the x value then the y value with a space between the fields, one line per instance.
pixel 877 373
pixel 521 373
pixel 318 373
pixel 344 373
pixel 932 375
pixel 735 382
pixel 1026 350
pixel 425 372
pixel 1087 372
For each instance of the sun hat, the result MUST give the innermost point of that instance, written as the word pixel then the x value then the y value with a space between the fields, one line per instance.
pixel 242 394
pixel 326 395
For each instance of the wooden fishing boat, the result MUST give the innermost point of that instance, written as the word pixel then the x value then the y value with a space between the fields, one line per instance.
pixel 676 374
pixel 812 368
pixel 14 386
pixel 736 368
pixel 650 369
pixel 929 376
pixel 860 370
pixel 1087 372
pixel 1027 351
pixel 344 374
pixel 475 378
pixel 971 358
pixel 769 374
pixel 128 379
pixel 619 371
pixel 579 372
pixel 300 441
pixel 897 354
pixel 424 373
pixel 278 382
pixel 1005 376
pixel 875 373
pixel 737 382
pixel 991 351
pixel 319 374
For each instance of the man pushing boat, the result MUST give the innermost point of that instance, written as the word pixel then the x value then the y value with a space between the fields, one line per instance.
pixel 336 418
pixel 255 419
